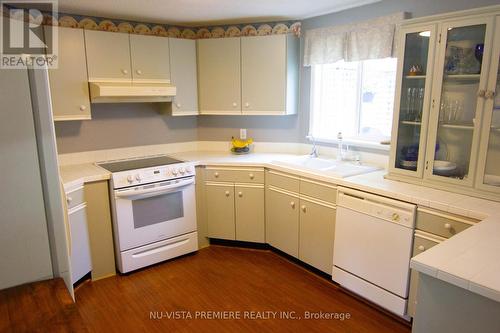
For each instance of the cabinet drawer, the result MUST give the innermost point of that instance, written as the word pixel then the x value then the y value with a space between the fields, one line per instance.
pixel 283 180
pixel 424 241
pixel 444 225
pixel 318 190
pixel 75 197
pixel 243 175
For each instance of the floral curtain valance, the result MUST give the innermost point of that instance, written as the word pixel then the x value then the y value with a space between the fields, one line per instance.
pixel 372 39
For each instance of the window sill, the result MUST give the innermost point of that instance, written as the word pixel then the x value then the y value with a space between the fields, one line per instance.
pixel 356 143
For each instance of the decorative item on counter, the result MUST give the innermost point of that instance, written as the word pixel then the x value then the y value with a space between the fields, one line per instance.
pixel 415 70
pixel 241 146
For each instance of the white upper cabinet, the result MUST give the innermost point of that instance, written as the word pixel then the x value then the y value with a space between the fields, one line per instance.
pixel 461 76
pixel 184 76
pixel 68 82
pixel 488 176
pixel 248 75
pixel 445 120
pixel 108 56
pixel 150 58
pixel 269 74
pixel 219 76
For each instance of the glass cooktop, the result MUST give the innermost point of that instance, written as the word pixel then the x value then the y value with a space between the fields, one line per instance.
pixel 139 163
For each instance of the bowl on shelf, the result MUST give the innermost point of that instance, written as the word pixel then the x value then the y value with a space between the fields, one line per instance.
pixel 409 165
pixel 444 168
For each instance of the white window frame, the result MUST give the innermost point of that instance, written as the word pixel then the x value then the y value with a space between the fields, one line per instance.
pixel 349 141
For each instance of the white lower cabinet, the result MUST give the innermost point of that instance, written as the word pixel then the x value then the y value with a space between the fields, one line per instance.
pixel 316 233
pixel 300 218
pixel 282 222
pixel 220 210
pixel 81 263
pixel 249 208
pixel 235 204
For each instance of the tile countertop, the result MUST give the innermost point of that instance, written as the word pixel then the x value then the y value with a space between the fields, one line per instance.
pixel 76 175
pixel 470 260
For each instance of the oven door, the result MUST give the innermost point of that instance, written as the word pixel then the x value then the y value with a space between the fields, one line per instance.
pixel 153 212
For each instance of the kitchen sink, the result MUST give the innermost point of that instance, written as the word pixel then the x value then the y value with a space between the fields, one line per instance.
pixel 329 167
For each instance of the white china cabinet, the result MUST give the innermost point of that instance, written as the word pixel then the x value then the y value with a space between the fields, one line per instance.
pixel 446 121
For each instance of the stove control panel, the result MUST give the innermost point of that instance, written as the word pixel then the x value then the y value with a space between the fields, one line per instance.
pixel 153 174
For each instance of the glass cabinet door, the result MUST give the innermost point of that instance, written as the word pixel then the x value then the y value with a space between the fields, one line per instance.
pixel 457 101
pixel 489 160
pixel 412 103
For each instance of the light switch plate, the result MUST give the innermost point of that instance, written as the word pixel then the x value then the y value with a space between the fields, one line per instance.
pixel 243 133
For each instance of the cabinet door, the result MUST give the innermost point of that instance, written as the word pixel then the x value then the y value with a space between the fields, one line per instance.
pixel 249 205
pixel 489 153
pixel 458 100
pixel 150 58
pixel 108 56
pixel 80 248
pixel 69 88
pixel 412 102
pixel 282 221
pixel 263 74
pixel 219 77
pixel 220 210
pixel 316 234
pixel 421 243
pixel 184 76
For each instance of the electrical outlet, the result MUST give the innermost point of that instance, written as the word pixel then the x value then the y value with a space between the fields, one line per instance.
pixel 243 133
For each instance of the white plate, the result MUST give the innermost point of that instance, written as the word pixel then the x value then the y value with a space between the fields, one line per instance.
pixel 444 166
pixel 492 180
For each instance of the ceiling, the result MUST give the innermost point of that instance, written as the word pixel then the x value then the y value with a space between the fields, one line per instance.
pixel 207 12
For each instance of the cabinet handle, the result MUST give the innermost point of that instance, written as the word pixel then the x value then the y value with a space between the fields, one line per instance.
pixel 124 71
pixel 490 94
pixel 235 104
pixel 304 208
pixel 421 248
pixel 240 194
pixel 292 204
pixel 216 175
pixel 227 193
pixel 481 93
pixel 83 108
pixel 447 226
pixel 247 104
pixel 139 72
pixel 69 199
pixel 251 176
pixel 178 105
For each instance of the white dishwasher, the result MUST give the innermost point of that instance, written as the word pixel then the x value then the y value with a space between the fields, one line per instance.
pixel 372 247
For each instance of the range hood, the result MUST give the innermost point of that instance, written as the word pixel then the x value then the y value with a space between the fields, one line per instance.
pixel 116 92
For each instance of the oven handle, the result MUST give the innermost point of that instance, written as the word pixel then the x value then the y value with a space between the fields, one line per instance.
pixel 137 194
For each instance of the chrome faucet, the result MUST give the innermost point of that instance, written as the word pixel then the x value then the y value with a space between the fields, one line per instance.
pixel 314 151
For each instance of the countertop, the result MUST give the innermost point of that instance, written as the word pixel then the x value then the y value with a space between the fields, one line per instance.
pixel 470 260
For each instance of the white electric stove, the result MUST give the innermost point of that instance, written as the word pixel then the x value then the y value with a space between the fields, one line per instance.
pixel 154 210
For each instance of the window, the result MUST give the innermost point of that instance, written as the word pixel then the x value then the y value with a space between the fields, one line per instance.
pixel 355 98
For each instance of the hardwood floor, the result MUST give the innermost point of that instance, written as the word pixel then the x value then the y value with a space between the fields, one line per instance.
pixel 44 306
pixel 218 279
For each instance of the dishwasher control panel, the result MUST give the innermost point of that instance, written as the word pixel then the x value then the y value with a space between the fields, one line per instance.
pixel 377 206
